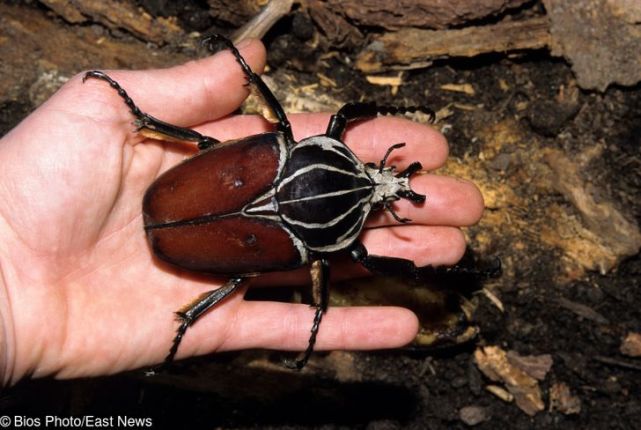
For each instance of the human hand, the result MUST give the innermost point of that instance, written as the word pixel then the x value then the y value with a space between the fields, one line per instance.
pixel 81 293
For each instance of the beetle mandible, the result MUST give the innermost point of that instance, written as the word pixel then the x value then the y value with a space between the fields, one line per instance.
pixel 268 203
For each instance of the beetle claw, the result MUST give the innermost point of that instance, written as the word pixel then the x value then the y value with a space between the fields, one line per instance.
pixel 402 220
pixel 294 364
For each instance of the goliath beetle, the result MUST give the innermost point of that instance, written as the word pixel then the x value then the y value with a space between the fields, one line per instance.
pixel 268 203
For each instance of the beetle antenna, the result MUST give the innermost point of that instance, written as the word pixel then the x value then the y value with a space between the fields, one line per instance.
pixel 387 154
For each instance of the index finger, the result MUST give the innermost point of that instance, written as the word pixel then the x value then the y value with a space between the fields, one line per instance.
pixel 369 139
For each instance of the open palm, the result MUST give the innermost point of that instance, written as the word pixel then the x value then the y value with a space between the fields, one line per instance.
pixel 82 293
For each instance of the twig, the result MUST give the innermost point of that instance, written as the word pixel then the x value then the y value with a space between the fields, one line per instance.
pixel 619 363
pixel 260 24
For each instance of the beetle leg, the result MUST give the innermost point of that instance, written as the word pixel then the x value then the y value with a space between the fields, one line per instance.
pixel 194 310
pixel 355 111
pixel 393 266
pixel 258 86
pixel 320 292
pixel 390 209
pixel 152 127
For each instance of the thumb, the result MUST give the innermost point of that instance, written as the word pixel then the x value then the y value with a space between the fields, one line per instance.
pixel 192 93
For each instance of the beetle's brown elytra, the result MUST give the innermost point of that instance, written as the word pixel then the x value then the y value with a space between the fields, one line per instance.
pixel 268 203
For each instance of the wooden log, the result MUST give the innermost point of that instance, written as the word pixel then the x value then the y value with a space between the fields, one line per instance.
pixel 412 48
pixel 118 15
pixel 436 14
pixel 335 27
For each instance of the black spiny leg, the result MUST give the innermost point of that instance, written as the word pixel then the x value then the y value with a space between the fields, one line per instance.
pixel 194 310
pixel 406 268
pixel 258 87
pixel 320 292
pixel 355 111
pixel 152 127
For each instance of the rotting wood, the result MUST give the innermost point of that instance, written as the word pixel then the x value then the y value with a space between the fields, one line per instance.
pixel 235 12
pixel 412 48
pixel 588 229
pixel 339 32
pixel 46 54
pixel 118 15
pixel 599 38
pixel 617 237
pixel 418 13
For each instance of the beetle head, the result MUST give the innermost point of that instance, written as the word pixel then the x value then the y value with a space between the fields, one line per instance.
pixel 391 186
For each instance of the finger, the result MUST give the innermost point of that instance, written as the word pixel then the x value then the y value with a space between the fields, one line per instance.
pixel 449 202
pixel 194 92
pixel 434 246
pixel 286 326
pixel 424 246
pixel 368 139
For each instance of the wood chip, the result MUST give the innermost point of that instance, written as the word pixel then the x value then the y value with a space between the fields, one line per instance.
pixel 459 88
pixel 537 366
pixel 494 299
pixel 500 392
pixel 393 81
pixel 444 112
pixel 385 80
pixel 494 364
pixel 631 345
pixel 562 400
pixel 324 80
pixel 466 107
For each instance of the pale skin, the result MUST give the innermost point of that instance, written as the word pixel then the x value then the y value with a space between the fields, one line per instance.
pixel 81 293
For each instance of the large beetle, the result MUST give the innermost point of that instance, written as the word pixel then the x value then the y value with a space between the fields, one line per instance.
pixel 268 203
